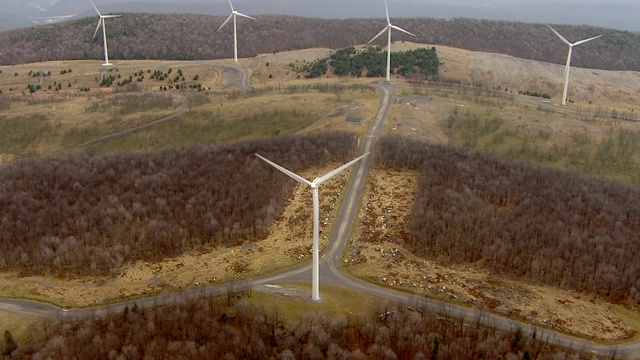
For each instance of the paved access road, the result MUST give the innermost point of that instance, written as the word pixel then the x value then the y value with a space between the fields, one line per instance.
pixel 330 271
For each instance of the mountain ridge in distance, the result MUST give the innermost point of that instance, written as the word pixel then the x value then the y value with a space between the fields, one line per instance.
pixel 621 15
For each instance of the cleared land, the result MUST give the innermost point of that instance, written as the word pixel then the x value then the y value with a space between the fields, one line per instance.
pixel 49 120
pixel 383 261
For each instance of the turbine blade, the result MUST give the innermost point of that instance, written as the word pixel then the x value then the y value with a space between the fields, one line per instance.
pixel 225 22
pixel 110 16
pixel 289 173
pixel 94 6
pixel 338 170
pixel 380 33
pixel 97 28
pixel 401 29
pixel 243 15
pixel 584 41
pixel 386 9
pixel 230 4
pixel 560 36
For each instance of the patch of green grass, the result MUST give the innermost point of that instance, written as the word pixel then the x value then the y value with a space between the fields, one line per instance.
pixel 215 119
pixel 616 155
pixel 5 104
pixel 206 127
pixel 20 132
pixel 335 301
pixel 630 318
pixel 128 104
pixel 19 326
pixel 210 118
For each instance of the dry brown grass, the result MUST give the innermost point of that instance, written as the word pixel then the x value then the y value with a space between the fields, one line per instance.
pixel 618 89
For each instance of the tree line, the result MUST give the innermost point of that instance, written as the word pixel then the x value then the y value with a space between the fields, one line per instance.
pixel 537 224
pixel 90 214
pixel 233 328
pixel 371 62
pixel 156 36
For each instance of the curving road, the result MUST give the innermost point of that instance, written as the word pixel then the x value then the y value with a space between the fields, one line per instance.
pixel 330 271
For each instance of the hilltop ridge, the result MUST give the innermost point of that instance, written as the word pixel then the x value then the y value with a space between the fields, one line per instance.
pixel 192 37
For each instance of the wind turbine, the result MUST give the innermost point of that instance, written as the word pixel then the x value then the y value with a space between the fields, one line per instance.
pixel 104 32
pixel 568 66
pixel 388 28
pixel 315 282
pixel 233 15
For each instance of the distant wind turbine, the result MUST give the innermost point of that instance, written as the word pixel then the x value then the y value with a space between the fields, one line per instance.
pixel 388 28
pixel 233 15
pixel 315 282
pixel 568 66
pixel 104 32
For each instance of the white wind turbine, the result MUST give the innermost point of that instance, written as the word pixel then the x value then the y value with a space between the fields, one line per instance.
pixel 315 281
pixel 568 66
pixel 104 32
pixel 388 28
pixel 233 15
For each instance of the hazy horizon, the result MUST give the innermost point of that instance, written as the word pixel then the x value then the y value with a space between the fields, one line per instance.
pixel 619 14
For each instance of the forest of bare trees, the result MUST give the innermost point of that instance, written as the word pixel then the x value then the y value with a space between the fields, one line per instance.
pixel 214 328
pixel 539 224
pixel 179 36
pixel 89 214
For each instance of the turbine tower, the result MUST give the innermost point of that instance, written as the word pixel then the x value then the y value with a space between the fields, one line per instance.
pixel 568 66
pixel 388 28
pixel 104 32
pixel 315 282
pixel 233 15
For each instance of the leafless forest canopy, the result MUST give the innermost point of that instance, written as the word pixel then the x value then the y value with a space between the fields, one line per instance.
pixel 216 329
pixel 178 36
pixel 90 214
pixel 543 225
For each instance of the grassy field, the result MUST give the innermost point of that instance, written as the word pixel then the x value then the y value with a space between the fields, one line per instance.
pixel 18 325
pixel 590 145
pixel 77 109
pixel 77 76
pixel 589 139
pixel 216 119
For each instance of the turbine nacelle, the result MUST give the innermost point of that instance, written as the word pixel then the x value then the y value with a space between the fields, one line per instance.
pixel 564 40
pixel 234 14
pixel 101 22
pixel 315 292
pixel 388 28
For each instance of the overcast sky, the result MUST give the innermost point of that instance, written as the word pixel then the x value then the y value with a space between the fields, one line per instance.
pixel 618 14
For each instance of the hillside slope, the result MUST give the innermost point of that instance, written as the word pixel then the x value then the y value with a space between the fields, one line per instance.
pixel 177 36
